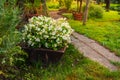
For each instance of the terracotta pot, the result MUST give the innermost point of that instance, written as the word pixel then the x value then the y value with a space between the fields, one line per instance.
pixel 46 56
pixel 77 16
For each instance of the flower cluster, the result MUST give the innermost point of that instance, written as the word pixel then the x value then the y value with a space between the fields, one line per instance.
pixel 46 32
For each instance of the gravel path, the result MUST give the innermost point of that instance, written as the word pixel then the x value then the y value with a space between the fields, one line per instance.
pixel 91 48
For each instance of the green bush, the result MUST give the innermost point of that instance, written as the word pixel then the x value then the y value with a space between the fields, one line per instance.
pixel 115 8
pixel 10 54
pixel 95 11
pixel 52 5
pixel 68 3
pixel 9 19
pixel 61 3
pixel 115 1
pixel 68 15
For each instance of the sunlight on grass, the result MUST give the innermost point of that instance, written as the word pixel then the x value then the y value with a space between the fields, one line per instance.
pixel 105 30
pixel 53 5
pixel 111 15
pixel 107 16
pixel 106 33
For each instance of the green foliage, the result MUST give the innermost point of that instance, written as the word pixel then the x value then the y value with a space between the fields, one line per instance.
pixel 115 1
pixel 95 11
pixel 61 3
pixel 104 30
pixel 9 19
pixel 115 7
pixel 10 54
pixel 30 76
pixel 116 64
pixel 31 8
pixel 37 3
pixel 110 16
pixel 15 56
pixel 68 3
pixel 52 5
pixel 8 13
pixel 68 15
pixel 73 66
pixel 29 4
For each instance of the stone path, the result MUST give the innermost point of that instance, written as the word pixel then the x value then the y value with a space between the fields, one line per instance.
pixel 54 14
pixel 92 49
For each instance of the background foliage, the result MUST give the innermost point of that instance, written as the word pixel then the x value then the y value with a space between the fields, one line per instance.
pixel 95 11
pixel 10 53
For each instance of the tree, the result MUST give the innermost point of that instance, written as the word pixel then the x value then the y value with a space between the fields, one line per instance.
pixel 44 6
pixel 79 5
pixel 68 3
pixel 86 12
pixel 107 2
pixel 98 1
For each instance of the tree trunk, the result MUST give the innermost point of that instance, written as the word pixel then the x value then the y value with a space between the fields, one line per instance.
pixel 32 1
pixel 80 6
pixel 86 12
pixel 44 6
pixel 98 1
pixel 77 5
pixel 107 2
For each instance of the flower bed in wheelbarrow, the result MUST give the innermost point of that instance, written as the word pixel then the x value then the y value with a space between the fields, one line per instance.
pixel 46 39
pixel 45 55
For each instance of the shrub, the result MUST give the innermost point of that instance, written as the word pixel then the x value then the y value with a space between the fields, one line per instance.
pixel 61 3
pixel 9 19
pixel 10 54
pixel 115 1
pixel 68 15
pixel 68 3
pixel 46 32
pixel 52 5
pixel 95 11
pixel 115 8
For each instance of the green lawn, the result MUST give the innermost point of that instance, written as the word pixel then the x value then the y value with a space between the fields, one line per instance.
pixel 107 16
pixel 106 30
pixel 73 66
pixel 110 16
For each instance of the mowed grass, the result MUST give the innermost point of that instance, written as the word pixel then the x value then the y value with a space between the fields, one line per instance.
pixel 73 66
pixel 106 31
pixel 110 16
pixel 107 16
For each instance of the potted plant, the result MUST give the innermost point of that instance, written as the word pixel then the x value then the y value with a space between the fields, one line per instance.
pixel 46 37
pixel 78 14
pixel 31 9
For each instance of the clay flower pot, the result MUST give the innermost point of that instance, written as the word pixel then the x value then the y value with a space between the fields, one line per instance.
pixel 77 16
